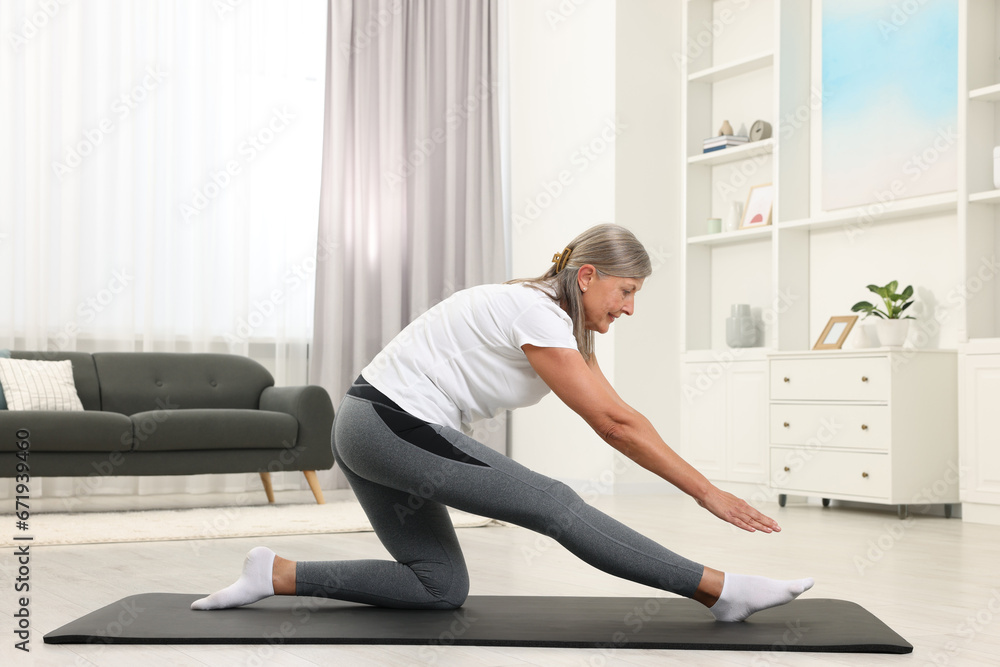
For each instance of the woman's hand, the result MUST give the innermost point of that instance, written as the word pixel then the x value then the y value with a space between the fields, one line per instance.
pixel 737 511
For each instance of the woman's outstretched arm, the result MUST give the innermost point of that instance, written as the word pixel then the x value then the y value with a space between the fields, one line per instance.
pixel 587 392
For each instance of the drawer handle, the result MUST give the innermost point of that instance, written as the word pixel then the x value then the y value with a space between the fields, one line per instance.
pixel 787 380
pixel 865 475
pixel 864 427
pixel 787 469
pixel 786 424
pixel 864 378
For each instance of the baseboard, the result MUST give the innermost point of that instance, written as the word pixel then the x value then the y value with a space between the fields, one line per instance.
pixel 981 513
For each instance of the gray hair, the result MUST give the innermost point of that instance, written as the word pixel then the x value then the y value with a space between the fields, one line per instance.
pixel 612 250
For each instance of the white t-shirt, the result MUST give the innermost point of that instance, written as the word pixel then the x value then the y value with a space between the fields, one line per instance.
pixel 462 360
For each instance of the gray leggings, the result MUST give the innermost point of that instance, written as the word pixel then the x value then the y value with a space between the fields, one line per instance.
pixel 405 488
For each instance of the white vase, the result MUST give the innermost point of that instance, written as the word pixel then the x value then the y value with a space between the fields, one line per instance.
pixel 892 333
pixel 732 222
pixel 862 336
pixel 741 330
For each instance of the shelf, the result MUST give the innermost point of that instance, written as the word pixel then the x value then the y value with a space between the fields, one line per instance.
pixel 732 69
pixel 726 354
pixel 986 94
pixel 988 197
pixel 730 238
pixel 734 153
pixel 870 214
pixel 980 346
pixel 863 351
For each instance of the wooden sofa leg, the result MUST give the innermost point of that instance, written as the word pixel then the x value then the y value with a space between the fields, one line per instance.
pixel 265 477
pixel 314 485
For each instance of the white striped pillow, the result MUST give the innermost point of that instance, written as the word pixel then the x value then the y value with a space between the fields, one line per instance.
pixel 31 384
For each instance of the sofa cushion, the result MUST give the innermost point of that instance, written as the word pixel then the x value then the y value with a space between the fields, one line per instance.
pixel 133 382
pixel 84 373
pixel 187 430
pixel 51 431
pixel 33 384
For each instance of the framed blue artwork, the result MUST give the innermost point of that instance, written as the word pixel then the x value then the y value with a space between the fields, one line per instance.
pixel 890 100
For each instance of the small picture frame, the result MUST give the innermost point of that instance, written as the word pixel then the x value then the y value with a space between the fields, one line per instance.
pixel 835 333
pixel 757 212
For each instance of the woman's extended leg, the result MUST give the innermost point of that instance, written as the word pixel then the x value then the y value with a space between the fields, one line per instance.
pixel 433 462
pixel 405 470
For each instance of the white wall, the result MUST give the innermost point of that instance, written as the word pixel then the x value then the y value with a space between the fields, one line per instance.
pixel 562 181
pixel 648 201
pixel 574 78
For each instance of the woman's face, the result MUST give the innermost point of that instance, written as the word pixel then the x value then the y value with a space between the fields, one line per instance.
pixel 607 298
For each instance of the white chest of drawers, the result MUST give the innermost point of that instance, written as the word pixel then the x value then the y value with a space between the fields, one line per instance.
pixel 878 425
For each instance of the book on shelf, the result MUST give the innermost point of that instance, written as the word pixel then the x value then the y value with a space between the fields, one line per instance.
pixel 723 141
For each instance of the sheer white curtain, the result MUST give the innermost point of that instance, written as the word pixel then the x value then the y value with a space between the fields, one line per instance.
pixel 159 182
pixel 411 198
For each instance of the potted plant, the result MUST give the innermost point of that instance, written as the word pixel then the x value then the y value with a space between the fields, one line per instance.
pixel 892 325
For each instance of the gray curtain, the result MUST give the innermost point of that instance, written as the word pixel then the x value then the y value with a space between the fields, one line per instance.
pixel 410 209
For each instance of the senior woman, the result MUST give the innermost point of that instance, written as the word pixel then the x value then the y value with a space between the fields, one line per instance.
pixel 398 438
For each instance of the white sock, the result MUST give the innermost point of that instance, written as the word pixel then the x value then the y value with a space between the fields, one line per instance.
pixel 744 594
pixel 254 584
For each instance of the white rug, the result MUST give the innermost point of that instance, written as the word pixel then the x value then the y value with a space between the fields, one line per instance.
pixel 204 524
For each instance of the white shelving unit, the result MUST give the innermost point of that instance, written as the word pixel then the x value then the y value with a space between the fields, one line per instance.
pixel 979 132
pixel 734 79
pixel 754 60
pixel 979 217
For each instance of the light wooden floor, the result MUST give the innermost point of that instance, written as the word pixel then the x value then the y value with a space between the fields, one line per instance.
pixel 935 581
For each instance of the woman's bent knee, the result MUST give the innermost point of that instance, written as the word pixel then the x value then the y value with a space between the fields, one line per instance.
pixel 447 585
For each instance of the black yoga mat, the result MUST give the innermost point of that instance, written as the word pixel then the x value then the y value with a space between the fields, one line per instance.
pixel 572 622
